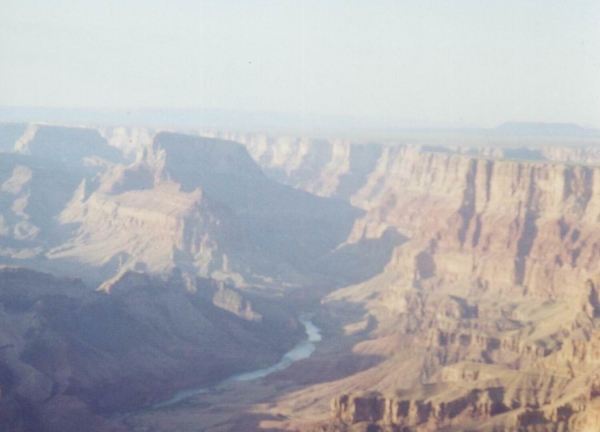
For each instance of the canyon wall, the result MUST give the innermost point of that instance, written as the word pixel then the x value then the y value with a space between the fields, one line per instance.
pixel 490 305
pixel 469 275
pixel 525 224
pixel 120 199
pixel 508 226
pixel 69 354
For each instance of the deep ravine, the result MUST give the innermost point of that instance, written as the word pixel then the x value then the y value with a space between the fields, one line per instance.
pixel 300 351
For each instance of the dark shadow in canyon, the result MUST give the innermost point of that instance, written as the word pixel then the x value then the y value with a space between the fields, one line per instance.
pixel 285 223
pixel 322 370
pixel 354 263
pixel 146 339
pixel 363 160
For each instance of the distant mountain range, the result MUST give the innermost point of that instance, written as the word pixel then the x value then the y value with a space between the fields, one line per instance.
pixel 198 118
pixel 546 129
pixel 208 118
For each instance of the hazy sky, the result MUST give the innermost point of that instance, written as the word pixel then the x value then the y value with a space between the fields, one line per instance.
pixel 472 62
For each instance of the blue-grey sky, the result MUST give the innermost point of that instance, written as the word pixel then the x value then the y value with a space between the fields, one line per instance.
pixel 470 62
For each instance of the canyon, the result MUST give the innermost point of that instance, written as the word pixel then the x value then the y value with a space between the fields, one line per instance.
pixel 455 278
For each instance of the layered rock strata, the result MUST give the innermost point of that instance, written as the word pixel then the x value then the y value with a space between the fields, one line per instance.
pixel 491 303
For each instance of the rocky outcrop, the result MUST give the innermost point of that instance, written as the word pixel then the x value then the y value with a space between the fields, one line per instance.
pixel 500 268
pixel 68 353
pixel 131 141
pixel 510 226
pixel 156 230
pixel 69 145
pixel 476 409
pixel 473 301
pixel 515 218
pixel 231 301
pixel 324 167
pixel 198 204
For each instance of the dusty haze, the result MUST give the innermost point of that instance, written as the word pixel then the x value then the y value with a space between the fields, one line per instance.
pixel 305 216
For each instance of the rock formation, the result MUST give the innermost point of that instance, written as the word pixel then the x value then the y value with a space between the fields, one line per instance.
pixel 497 282
pixel 68 353
pixel 198 204
pixel 461 278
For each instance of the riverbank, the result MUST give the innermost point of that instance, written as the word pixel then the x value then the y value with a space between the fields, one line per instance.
pixel 300 351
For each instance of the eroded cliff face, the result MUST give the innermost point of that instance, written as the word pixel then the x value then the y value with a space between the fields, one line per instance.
pixel 69 354
pixel 324 167
pixel 487 316
pixel 156 230
pixel 508 226
pixel 340 167
pixel 507 223
pixel 119 199
pixel 478 305
pixel 475 409
pixel 511 218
